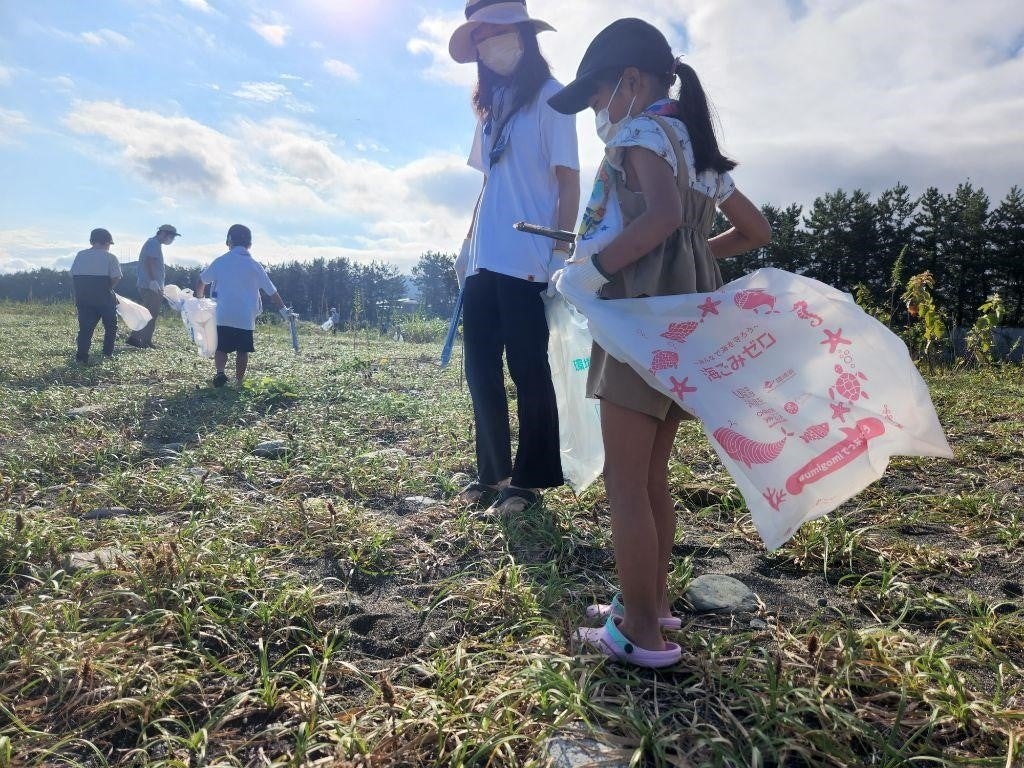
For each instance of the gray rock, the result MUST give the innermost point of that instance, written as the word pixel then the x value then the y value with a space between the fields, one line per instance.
pixel 85 410
pixel 386 453
pixel 98 559
pixel 576 747
pixel 271 449
pixel 714 593
pixel 421 502
pixel 758 624
pixel 168 448
pixel 105 513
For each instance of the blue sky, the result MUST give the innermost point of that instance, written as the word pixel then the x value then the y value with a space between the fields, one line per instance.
pixel 340 128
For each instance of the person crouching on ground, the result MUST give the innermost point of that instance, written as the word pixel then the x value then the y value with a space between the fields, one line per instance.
pixel 151 276
pixel 239 280
pixel 94 273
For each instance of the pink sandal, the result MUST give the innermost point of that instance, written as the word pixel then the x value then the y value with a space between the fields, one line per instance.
pixel 618 610
pixel 610 641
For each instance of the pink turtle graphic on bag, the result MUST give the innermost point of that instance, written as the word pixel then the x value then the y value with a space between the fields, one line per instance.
pixel 838 456
pixel 848 385
pixel 755 299
pixel 745 450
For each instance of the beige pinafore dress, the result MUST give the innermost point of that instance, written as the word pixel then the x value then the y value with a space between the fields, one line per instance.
pixel 681 264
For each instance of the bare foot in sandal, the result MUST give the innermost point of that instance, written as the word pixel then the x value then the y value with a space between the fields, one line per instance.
pixel 480 493
pixel 513 500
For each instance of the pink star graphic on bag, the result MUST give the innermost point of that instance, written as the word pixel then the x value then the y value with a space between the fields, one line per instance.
pixel 682 388
pixel 709 307
pixel 834 339
pixel 839 411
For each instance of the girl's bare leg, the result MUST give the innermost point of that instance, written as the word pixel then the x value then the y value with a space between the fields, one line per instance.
pixel 629 439
pixel 662 505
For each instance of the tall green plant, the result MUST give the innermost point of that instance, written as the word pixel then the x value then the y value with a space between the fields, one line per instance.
pixel 981 341
pixel 931 327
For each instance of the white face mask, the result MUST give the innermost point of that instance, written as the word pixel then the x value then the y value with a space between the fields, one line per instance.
pixel 606 129
pixel 501 54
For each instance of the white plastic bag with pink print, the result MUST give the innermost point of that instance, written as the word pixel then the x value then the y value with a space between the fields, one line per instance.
pixel 803 395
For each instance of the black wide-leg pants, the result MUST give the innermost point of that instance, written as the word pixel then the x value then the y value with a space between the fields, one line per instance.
pixel 506 314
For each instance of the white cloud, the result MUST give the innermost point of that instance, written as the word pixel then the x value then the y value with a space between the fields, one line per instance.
pixel 341 69
pixel 814 96
pixel 198 5
pixel 6 75
pixel 270 93
pixel 432 40
pixel 62 83
pixel 12 123
pixel 102 38
pixel 29 248
pixel 284 171
pixel 273 32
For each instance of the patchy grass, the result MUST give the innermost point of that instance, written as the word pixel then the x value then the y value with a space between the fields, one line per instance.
pixel 298 611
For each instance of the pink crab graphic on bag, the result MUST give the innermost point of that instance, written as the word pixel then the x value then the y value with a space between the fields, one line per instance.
pixel 798 405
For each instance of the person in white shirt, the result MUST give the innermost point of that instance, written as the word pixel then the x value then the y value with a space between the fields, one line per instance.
pixel 529 157
pixel 94 273
pixel 239 278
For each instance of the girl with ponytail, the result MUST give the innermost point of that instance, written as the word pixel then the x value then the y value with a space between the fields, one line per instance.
pixel 646 233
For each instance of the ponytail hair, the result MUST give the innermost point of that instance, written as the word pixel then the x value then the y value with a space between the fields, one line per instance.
pixel 695 112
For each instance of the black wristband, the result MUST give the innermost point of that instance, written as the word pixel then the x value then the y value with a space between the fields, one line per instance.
pixel 597 265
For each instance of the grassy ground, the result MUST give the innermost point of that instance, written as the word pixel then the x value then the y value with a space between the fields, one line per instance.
pixel 297 611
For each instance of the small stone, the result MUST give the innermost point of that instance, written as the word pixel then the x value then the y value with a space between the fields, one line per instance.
pixel 576 747
pixel 85 410
pixel 822 602
pixel 271 449
pixel 421 502
pixel 105 557
pixel 758 624
pixel 715 593
pixel 172 448
pixel 386 453
pixel 105 513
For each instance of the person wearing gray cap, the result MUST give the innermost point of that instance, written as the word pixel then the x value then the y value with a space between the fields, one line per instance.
pixel 94 273
pixel 151 277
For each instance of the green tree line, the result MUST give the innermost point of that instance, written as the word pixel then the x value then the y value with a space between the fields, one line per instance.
pixel 971 247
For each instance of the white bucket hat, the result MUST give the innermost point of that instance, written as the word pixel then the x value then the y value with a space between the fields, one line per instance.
pixel 461 46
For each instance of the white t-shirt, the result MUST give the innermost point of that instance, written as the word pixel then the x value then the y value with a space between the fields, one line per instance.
pixel 239 280
pixel 522 186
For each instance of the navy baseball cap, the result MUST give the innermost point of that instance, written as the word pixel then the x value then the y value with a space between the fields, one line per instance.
pixel 622 44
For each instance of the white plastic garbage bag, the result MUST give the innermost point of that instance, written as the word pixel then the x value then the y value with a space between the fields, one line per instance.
pixel 803 395
pixel 198 315
pixel 134 315
pixel 579 419
pixel 328 325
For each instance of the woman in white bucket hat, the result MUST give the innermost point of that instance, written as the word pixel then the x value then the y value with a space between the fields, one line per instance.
pixel 529 157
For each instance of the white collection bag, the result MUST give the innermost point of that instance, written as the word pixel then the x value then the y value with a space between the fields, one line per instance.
pixel 134 315
pixel 328 325
pixel 579 419
pixel 804 396
pixel 198 315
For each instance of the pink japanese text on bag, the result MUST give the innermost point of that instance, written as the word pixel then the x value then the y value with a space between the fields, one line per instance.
pixel 804 396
